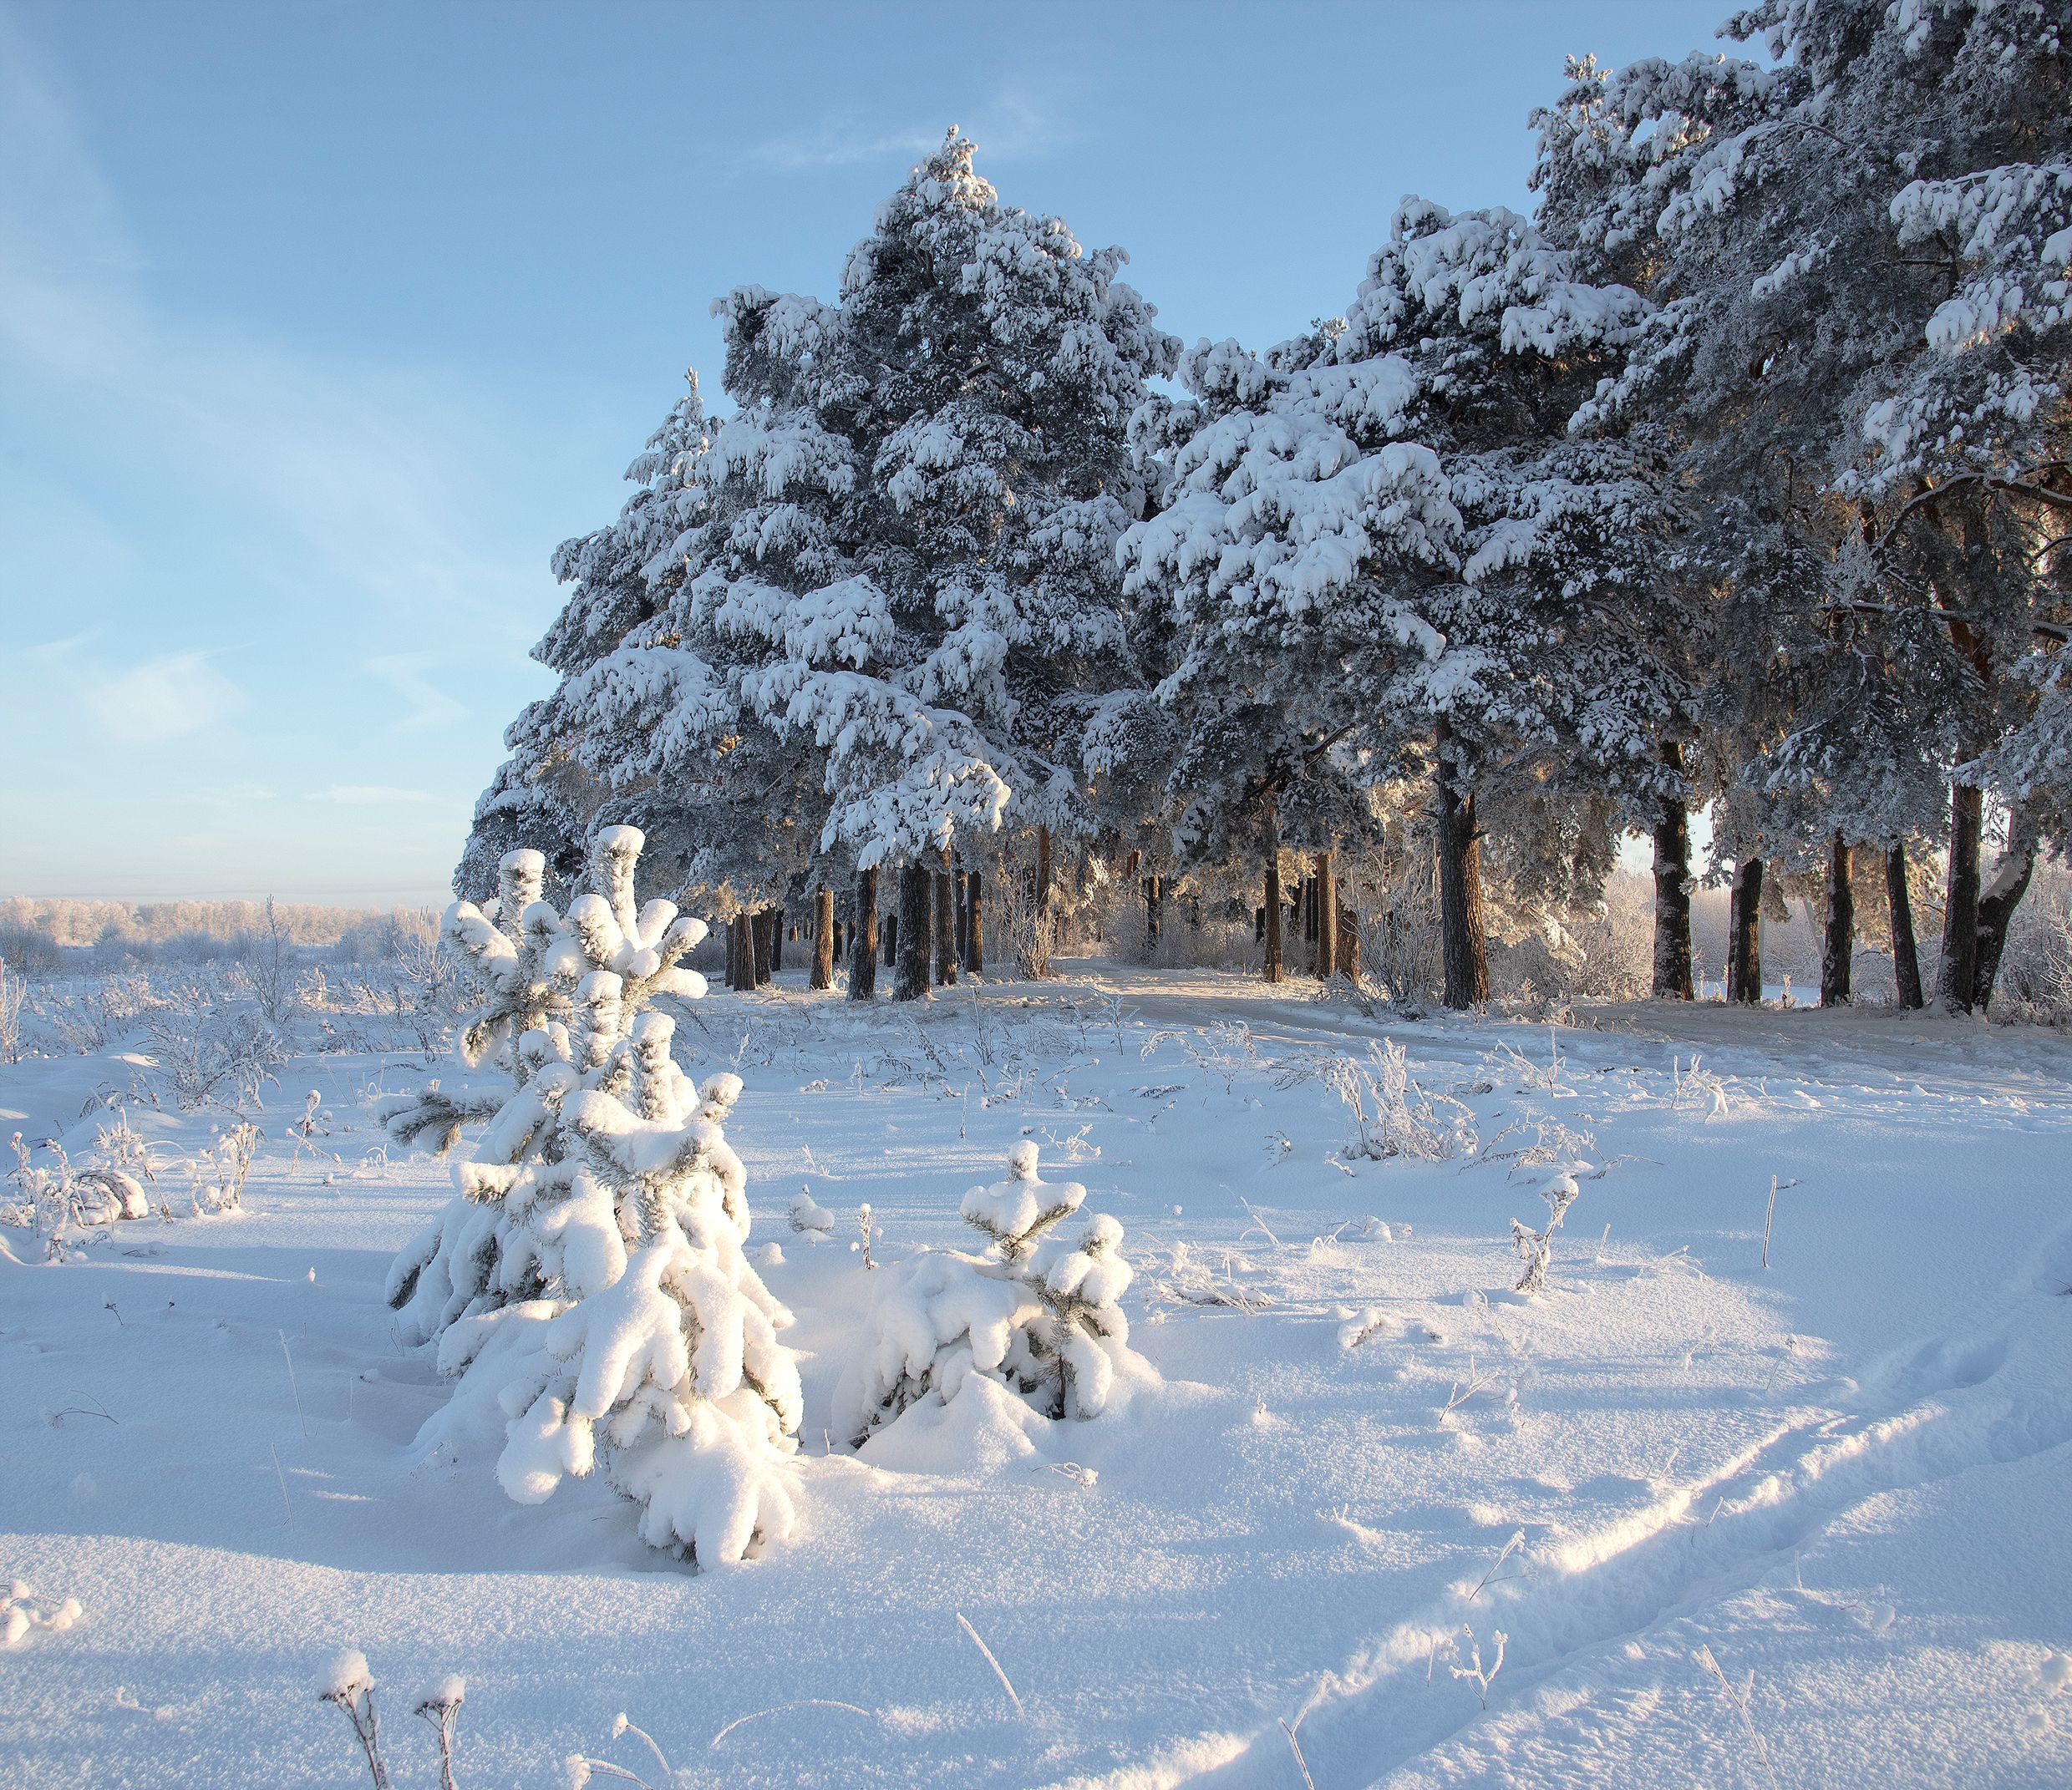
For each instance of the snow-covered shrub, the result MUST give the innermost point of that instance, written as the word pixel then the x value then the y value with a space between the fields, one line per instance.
pixel 2035 981
pixel 13 995
pixel 1036 1311
pixel 1392 1115
pixel 22 1613
pixel 212 1055
pixel 588 1280
pixel 1535 1248
pixel 52 1199
pixel 217 1177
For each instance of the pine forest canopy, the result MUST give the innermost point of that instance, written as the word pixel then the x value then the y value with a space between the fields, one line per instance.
pixel 1738 474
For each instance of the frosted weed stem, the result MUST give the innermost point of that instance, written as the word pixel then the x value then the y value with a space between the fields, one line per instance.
pixel 998 1671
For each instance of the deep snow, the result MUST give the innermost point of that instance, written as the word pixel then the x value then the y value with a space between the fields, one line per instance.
pixel 1847 1475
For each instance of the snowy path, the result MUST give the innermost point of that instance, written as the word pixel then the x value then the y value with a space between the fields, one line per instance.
pixel 1848 1474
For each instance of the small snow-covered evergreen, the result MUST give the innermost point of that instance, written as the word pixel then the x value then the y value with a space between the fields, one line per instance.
pixel 1037 1310
pixel 589 1276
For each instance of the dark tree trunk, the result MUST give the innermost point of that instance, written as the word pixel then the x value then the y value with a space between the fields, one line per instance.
pixel 1259 925
pixel 823 937
pixel 744 953
pixel 961 882
pixel 1039 959
pixel 863 938
pixel 1464 942
pixel 1838 952
pixel 1327 919
pixel 1154 914
pixel 1273 895
pixel 916 895
pixel 1956 979
pixel 945 924
pixel 1672 892
pixel 1348 944
pixel 760 929
pixel 1745 934
pixel 1906 961
pixel 975 925
pixel 776 942
pixel 1998 902
pixel 734 974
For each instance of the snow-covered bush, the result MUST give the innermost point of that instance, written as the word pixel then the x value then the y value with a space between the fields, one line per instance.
pixel 1392 1115
pixel 1035 1311
pixel 212 1055
pixel 22 1613
pixel 588 1281
pixel 52 1199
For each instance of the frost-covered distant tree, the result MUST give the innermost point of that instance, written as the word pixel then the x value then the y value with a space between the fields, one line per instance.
pixel 1381 533
pixel 1858 260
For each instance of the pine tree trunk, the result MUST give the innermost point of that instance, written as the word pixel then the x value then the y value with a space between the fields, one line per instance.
pixel 744 953
pixel 1154 914
pixel 734 973
pixel 1463 939
pixel 1838 953
pixel 945 924
pixel 1955 978
pixel 1906 961
pixel 1672 892
pixel 892 930
pixel 1745 934
pixel 863 938
pixel 1327 919
pixel 960 883
pixel 758 946
pixel 916 895
pixel 1037 963
pixel 776 941
pixel 1997 903
pixel 975 945
pixel 1348 944
pixel 1273 895
pixel 823 937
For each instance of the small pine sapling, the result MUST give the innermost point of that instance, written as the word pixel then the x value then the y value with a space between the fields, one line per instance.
pixel 1037 1311
pixel 1535 1248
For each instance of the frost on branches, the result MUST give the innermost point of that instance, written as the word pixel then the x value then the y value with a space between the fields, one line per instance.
pixel 587 1280
pixel 1036 1311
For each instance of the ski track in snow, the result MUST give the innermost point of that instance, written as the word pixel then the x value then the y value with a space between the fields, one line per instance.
pixel 1847 1475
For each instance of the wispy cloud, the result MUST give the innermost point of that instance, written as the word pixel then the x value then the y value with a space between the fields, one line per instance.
pixel 161 699
pixel 371 795
pixel 430 706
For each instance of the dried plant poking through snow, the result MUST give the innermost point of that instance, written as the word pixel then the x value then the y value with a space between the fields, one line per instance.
pixel 1534 1248
pixel 589 1281
pixel 1393 1116
pixel 1037 1313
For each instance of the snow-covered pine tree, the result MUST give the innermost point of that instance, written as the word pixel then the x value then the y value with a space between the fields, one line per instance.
pixel 1036 1311
pixel 1844 347
pixel 559 999
pixel 1381 533
pixel 569 750
pixel 896 590
pixel 588 1277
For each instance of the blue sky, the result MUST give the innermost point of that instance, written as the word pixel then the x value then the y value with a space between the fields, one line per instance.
pixel 322 323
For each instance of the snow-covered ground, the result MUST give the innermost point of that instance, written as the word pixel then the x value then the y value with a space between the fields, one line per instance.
pixel 1842 1480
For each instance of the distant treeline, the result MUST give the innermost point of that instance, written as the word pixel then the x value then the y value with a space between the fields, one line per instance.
pixel 41 935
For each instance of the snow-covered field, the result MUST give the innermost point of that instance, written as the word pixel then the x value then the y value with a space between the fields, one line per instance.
pixel 1736 1526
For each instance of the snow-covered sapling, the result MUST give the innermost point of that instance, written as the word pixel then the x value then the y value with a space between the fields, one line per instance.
pixel 1534 1248
pixel 590 1276
pixel 810 1219
pixel 1037 1311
